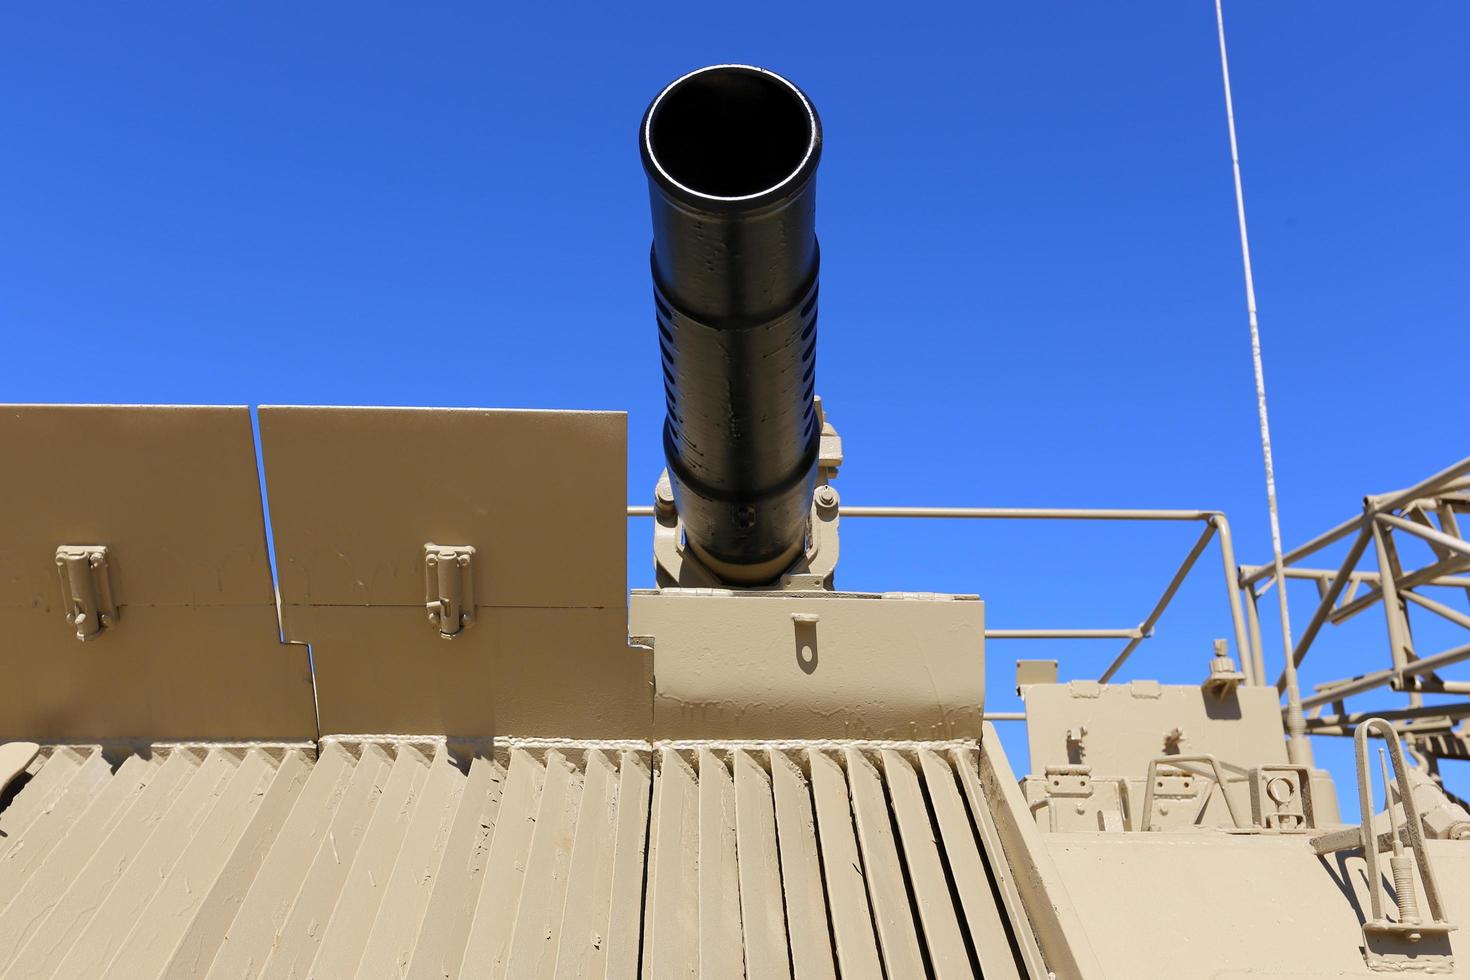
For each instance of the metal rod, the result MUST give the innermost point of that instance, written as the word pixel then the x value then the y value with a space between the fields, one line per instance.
pixel 1432 685
pixel 1450 524
pixel 1175 760
pixel 1327 686
pixel 1388 798
pixel 1425 488
pixel 1214 521
pixel 1353 719
pixel 1371 578
pixel 1453 615
pixel 1299 750
pixel 1005 716
pixel 1429 534
pixel 1393 610
pixel 1321 541
pixel 1311 574
pixel 1424 665
pixel 1254 573
pixel 1237 616
pixel 1003 513
pixel 1147 625
pixel 1324 608
pixel 1418 512
pixel 1412 580
pixel 1394 572
pixel 1133 633
pixel 1450 489
pixel 1030 513
pixel 1258 652
pixel 1367 838
pixel 1338 692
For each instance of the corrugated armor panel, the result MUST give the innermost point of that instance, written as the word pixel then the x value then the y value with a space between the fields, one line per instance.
pixel 395 859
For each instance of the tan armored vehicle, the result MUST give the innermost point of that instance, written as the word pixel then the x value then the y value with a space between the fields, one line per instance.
pixel 449 743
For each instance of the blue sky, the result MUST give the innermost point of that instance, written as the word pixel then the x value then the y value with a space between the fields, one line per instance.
pixel 1031 285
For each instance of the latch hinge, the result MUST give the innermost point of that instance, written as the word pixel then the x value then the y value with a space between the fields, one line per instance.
pixel 1077 802
pixel 450 587
pixel 86 589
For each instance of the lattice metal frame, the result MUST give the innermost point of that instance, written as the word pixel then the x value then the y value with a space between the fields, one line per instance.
pixel 1431 511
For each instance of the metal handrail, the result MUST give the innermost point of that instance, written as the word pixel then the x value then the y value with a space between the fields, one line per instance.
pixel 1412 828
pixel 1215 521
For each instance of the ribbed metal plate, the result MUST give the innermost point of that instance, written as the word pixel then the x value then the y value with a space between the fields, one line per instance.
pixel 392 859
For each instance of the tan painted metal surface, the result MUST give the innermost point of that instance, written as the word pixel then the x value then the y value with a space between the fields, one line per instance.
pixel 781 784
pixel 583 940
pixel 1029 883
pixel 763 924
pixel 772 784
pixel 898 935
pixel 148 913
pixel 172 492
pixel 868 869
pixel 1274 909
pixel 786 666
pixel 37 930
pixel 526 487
pixel 1117 728
pixel 539 495
pixel 536 672
pixel 14 758
pixel 389 859
pixel 47 784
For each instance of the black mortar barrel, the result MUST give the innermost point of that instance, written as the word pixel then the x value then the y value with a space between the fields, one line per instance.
pixel 731 153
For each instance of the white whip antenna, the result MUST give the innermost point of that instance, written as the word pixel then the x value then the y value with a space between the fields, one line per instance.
pixel 1298 748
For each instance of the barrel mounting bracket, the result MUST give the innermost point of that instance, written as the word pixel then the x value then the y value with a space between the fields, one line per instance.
pixel 677 566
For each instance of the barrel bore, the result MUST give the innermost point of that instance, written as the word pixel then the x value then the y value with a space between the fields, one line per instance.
pixel 731 154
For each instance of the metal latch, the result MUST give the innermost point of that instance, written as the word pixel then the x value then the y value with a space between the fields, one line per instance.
pixel 86 589
pixel 1077 802
pixel 1281 797
pixel 449 585
pixel 1069 781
